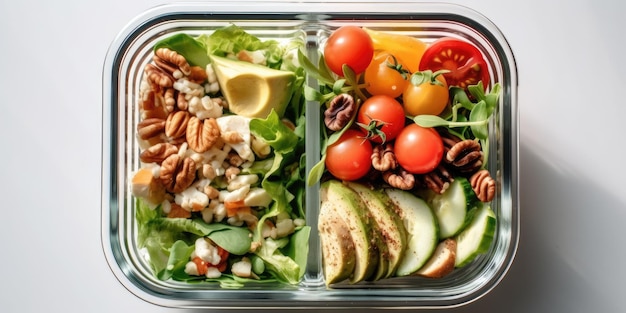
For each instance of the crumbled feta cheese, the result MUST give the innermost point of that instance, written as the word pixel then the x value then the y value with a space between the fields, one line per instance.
pixel 242 268
pixel 213 272
pixel 191 269
pixel 166 206
pixel 299 222
pixel 240 125
pixel 256 57
pixel 237 194
pixel 189 88
pixel 257 197
pixel 284 227
pixel 206 107
pixel 234 221
pixel 192 199
pixel 207 213
pixel 219 212
pixel 207 252
pixel 242 180
pixel 210 73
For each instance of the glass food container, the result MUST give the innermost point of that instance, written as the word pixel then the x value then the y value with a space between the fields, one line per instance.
pixel 312 22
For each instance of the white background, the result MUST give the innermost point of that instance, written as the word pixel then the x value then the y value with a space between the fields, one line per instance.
pixel 572 78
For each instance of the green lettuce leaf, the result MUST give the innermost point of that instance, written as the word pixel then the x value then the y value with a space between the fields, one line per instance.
pixel 159 234
pixel 281 266
pixel 273 131
pixel 232 39
pixel 179 255
pixel 298 248
pixel 193 50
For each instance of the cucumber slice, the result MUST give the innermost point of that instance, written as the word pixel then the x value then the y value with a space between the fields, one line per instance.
pixel 476 238
pixel 421 228
pixel 452 206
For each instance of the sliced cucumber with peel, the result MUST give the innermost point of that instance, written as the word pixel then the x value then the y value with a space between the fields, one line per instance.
pixel 421 229
pixel 452 206
pixel 477 236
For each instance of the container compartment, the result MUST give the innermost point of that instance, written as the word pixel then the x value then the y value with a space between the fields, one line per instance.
pixel 311 22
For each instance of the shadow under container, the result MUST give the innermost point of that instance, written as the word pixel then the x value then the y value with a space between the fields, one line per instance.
pixel 311 22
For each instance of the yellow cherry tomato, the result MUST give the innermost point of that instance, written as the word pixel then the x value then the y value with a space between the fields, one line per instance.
pixel 428 97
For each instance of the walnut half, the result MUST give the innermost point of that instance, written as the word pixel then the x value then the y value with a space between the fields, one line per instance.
pixel 437 180
pixel 202 134
pixel 339 112
pixel 466 156
pixel 484 186
pixel 176 174
pixel 383 158
pixel 400 179
pixel 158 153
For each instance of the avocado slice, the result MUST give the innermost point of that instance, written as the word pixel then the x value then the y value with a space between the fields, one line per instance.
pixel 387 223
pixel 338 251
pixel 253 90
pixel 351 209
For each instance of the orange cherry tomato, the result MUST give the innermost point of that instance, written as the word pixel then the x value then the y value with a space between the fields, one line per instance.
pixel 384 77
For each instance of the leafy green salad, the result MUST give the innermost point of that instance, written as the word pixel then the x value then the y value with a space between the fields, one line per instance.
pixel 220 187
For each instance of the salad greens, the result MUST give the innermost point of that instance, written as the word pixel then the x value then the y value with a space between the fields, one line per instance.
pixel 169 242
pixel 479 112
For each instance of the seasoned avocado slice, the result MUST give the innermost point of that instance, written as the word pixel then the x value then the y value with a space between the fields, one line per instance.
pixel 253 90
pixel 387 223
pixel 338 251
pixel 351 209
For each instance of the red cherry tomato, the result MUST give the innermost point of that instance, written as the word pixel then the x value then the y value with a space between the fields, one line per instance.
pixel 349 45
pixel 418 150
pixel 386 113
pixel 349 158
pixel 462 59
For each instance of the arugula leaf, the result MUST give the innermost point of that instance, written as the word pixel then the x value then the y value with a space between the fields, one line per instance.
pixel 426 120
pixel 320 74
pixel 479 113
